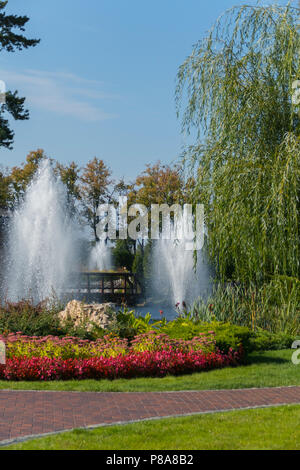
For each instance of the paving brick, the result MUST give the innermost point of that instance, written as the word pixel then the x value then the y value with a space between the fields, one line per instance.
pixel 24 413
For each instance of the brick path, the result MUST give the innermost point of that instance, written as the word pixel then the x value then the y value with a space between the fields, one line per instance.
pixel 27 413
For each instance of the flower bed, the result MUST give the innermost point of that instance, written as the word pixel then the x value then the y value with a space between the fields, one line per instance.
pixel 148 355
pixel 143 364
pixel 69 347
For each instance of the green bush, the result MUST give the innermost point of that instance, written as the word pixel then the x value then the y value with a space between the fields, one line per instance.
pixel 40 320
pixel 122 254
pixel 227 335
pixel 262 340
pixel 128 325
pixel 30 319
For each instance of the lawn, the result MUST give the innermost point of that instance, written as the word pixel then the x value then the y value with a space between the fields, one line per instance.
pixel 265 369
pixel 275 428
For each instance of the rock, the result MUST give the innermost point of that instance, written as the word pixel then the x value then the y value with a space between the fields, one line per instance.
pixel 88 315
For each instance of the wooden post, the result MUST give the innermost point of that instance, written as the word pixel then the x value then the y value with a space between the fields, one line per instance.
pixel 112 285
pixel 104 283
pixel 88 286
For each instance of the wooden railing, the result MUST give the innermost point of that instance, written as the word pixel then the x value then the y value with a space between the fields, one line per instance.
pixel 117 287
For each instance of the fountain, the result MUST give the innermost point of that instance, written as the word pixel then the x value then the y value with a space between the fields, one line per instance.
pixel 43 253
pixel 42 240
pixel 174 273
pixel 100 257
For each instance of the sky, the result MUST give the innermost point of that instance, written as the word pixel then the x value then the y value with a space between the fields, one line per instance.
pixel 102 81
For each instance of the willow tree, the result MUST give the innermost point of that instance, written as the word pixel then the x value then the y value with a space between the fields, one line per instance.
pixel 234 93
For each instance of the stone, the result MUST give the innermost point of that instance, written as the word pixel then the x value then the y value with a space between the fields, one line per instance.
pixel 88 315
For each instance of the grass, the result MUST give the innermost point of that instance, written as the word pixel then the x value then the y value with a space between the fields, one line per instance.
pixel 265 429
pixel 266 369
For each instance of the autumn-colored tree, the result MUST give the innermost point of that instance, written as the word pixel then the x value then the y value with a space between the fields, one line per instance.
pixel 70 177
pixel 158 184
pixel 6 196
pixel 21 176
pixel 94 190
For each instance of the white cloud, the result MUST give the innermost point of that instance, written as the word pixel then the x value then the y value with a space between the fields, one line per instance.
pixel 63 93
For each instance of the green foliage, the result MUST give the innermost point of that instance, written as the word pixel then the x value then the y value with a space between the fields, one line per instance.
pixel 147 262
pixel 29 319
pixel 129 325
pixel 274 306
pixel 156 341
pixel 69 175
pixel 9 40
pixel 14 106
pixel 42 320
pixel 6 196
pixel 226 335
pixel 263 369
pixel 123 256
pixel 262 340
pixel 237 87
pixel 70 347
pixel 137 265
pixel 18 346
pixel 229 335
pixel 142 265
pixel 21 176
pixel 94 190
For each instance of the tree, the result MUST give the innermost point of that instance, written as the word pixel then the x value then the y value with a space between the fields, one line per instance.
pixel 236 91
pixel 122 253
pixel 94 190
pixel 20 177
pixel 70 176
pixel 142 266
pixel 158 184
pixel 6 196
pixel 11 41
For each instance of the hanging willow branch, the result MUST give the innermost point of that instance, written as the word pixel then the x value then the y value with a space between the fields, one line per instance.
pixel 235 89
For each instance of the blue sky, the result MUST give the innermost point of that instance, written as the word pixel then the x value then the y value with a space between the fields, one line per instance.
pixel 101 82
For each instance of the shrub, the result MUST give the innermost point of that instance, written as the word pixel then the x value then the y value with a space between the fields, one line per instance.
pixel 153 341
pixel 128 325
pixel 262 340
pixel 29 318
pixel 227 336
pixel 40 320
pixel 20 346
pixel 68 347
